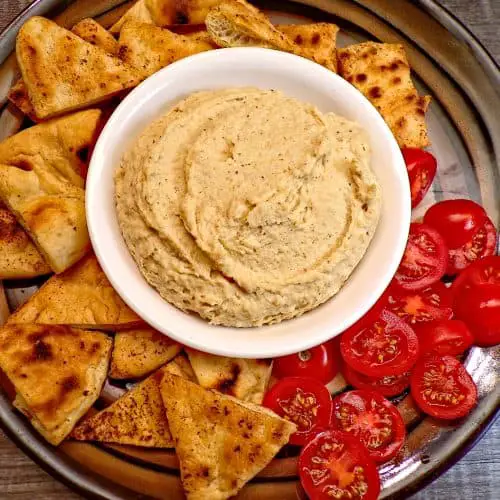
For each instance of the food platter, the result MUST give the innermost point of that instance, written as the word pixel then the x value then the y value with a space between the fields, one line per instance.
pixel 464 81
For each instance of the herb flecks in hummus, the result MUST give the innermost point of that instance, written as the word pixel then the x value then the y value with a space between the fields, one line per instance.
pixel 246 206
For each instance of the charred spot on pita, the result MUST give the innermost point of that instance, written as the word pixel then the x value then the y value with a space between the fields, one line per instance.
pixel 227 384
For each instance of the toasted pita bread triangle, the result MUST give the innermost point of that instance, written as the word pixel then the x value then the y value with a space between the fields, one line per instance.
pixel 92 32
pixel 82 297
pixel 57 371
pixel 245 379
pixel 63 73
pixel 149 48
pixel 208 427
pixel 19 258
pixel 137 353
pixel 382 73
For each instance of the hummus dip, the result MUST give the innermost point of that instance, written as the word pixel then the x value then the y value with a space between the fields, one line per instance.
pixel 247 207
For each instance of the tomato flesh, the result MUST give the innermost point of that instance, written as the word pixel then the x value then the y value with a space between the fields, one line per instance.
pixel 304 401
pixel 320 362
pixel 387 346
pixel 371 418
pixel 483 271
pixel 431 303
pixel 421 167
pixel 447 337
pixel 424 260
pixel 442 388
pixel 388 386
pixel 336 465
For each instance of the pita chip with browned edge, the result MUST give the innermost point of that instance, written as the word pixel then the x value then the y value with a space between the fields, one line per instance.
pixel 92 32
pixel 149 48
pixel 211 429
pixel 245 379
pixel 63 73
pixel 81 297
pixel 19 258
pixel 382 73
pixel 58 373
pixel 139 352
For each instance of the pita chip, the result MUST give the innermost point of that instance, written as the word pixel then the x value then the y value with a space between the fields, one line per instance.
pixel 92 32
pixel 245 379
pixel 63 73
pixel 18 95
pixel 58 373
pixel 149 48
pixel 137 353
pixel 382 73
pixel 19 258
pixel 220 441
pixel 82 297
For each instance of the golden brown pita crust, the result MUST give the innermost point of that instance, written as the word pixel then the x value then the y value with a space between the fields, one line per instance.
pixel 382 73
pixel 18 95
pixel 82 297
pixel 92 32
pixel 318 41
pixel 58 373
pixel 149 48
pixel 19 258
pixel 62 144
pixel 63 73
pixel 220 441
pixel 245 379
pixel 137 353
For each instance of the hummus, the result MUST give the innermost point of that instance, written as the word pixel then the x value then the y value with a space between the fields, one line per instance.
pixel 247 207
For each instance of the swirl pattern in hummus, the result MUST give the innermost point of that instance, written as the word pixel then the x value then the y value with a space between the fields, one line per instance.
pixel 247 207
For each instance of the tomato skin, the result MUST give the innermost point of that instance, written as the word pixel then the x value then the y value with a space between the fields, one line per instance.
pixel 447 337
pixel 388 337
pixel 387 386
pixel 425 258
pixel 481 272
pixel 482 244
pixel 304 401
pixel 421 166
pixel 456 220
pixel 372 419
pixel 320 362
pixel 442 388
pixel 328 462
pixel 479 308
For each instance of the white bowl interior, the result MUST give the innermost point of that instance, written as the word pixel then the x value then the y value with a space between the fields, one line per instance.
pixel 266 69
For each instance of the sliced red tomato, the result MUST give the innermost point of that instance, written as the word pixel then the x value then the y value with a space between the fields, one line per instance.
pixel 456 220
pixel 304 401
pixel 482 244
pixel 445 337
pixel 388 346
pixel 421 167
pixel 442 388
pixel 481 272
pixel 371 418
pixel 336 465
pixel 431 303
pixel 479 308
pixel 388 386
pixel 320 362
pixel 425 258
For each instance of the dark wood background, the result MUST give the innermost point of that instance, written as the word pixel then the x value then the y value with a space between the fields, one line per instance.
pixel 476 476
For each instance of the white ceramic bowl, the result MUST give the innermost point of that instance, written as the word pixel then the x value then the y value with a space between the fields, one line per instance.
pixel 266 69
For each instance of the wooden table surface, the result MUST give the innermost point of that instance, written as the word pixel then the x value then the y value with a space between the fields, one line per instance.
pixel 477 475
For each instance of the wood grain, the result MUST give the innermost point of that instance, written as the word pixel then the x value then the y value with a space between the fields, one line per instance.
pixel 477 475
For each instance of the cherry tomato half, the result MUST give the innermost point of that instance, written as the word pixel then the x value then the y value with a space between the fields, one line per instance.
pixel 431 303
pixel 442 388
pixel 482 244
pixel 446 337
pixel 483 271
pixel 479 308
pixel 320 362
pixel 387 346
pixel 421 167
pixel 388 386
pixel 425 258
pixel 456 220
pixel 336 465
pixel 304 401
pixel 371 418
